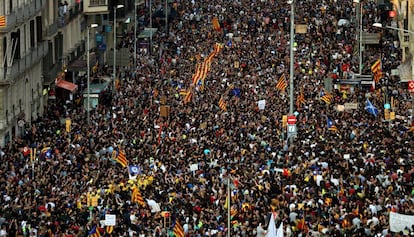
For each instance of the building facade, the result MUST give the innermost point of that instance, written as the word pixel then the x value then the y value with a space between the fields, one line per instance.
pixel 22 48
pixel 43 54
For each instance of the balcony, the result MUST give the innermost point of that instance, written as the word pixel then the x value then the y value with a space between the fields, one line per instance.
pixel 51 29
pixel 23 14
pixel 95 6
pixel 31 58
pixel 49 75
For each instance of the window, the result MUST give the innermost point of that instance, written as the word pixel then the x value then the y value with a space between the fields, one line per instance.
pixel 95 3
pixel 39 28
pixel 15 38
pixel 32 34
pixel 406 37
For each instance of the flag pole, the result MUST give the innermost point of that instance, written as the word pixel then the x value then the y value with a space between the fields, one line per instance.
pixel 228 208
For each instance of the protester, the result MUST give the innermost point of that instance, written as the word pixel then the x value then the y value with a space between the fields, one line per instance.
pixel 342 175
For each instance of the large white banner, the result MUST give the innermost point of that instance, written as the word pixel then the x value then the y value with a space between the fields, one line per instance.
pixel 398 222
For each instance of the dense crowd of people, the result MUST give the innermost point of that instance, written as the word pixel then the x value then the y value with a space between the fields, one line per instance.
pixel 341 178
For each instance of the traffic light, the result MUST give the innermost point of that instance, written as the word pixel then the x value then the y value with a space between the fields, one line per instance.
pixel 392 14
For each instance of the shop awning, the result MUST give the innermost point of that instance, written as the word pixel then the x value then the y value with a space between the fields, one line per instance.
pixel 67 85
pixel 147 33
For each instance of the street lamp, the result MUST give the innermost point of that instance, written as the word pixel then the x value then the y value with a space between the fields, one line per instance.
pixel 88 106
pixel 379 25
pixel 292 56
pixel 166 17
pixel 116 7
pixel 135 35
pixel 359 34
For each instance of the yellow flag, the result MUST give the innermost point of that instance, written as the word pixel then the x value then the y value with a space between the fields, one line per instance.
pixel 226 204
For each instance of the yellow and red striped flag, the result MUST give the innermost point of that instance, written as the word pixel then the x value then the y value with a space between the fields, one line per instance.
pixel 222 104
pixel 188 96
pixel 233 213
pixel 3 22
pixel 197 73
pixel 120 157
pixel 178 229
pixel 136 197
pixel 281 83
pixel 109 229
pixel 326 96
pixel 183 92
pixel 377 77
pixel 300 100
pixel 376 67
pixel 216 24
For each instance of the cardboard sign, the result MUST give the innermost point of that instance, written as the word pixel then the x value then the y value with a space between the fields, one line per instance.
pixel 165 111
pixel 301 29
pixel 110 220
pixel 261 104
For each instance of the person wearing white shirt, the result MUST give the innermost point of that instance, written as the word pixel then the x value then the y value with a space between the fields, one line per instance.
pixel 260 231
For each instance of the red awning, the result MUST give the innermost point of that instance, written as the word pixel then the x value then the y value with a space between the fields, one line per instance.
pixel 67 85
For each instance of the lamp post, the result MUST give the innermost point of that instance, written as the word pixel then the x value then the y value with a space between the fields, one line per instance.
pixel 291 128
pixel 116 7
pixel 135 35
pixel 166 17
pixel 359 16
pixel 88 106
pixel 379 25
pixel 150 16
pixel 292 56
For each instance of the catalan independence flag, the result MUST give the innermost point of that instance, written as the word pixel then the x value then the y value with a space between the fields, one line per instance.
pixel 94 232
pixel 109 229
pixel 188 96
pixel 377 77
pixel 3 22
pixel 183 92
pixel 233 213
pixel 46 152
pixel 178 229
pixel 326 96
pixel 376 70
pixel 136 197
pixel 197 74
pixel 120 157
pixel 281 83
pixel 222 104
pixel 300 99
pixel 331 126
pixel 376 67
pixel 216 24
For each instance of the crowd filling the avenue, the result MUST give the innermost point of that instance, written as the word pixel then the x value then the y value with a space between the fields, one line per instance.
pixel 192 142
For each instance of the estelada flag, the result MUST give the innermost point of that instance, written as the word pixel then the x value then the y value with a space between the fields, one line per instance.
pixel 109 229
pixel 216 24
pixel 376 67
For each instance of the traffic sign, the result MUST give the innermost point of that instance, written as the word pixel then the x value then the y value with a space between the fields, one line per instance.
pixel 411 86
pixel 291 119
pixel 291 130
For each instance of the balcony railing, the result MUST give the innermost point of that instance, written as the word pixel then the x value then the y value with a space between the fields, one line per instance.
pixel 52 29
pixel 95 6
pixel 22 14
pixel 32 57
pixel 98 3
